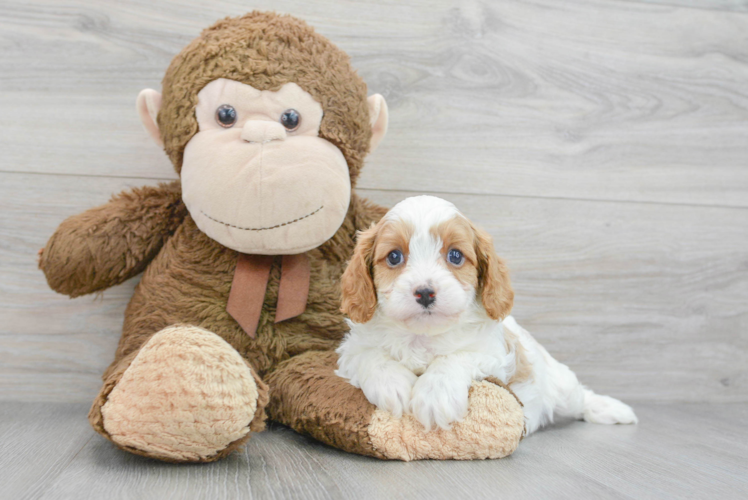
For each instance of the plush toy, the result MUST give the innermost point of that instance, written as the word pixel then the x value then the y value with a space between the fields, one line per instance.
pixel 237 313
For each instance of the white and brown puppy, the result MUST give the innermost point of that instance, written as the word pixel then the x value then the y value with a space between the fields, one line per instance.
pixel 428 298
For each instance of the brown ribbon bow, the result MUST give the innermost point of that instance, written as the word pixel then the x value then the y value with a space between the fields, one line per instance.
pixel 250 281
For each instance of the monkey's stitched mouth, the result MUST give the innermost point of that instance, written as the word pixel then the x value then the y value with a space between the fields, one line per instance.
pixel 263 228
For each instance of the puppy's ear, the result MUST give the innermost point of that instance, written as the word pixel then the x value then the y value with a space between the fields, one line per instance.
pixel 359 295
pixel 497 295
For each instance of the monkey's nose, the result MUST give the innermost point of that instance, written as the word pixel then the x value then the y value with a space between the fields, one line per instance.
pixel 262 131
pixel 425 296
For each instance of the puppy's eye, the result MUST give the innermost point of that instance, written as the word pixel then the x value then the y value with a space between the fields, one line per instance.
pixel 226 115
pixel 394 258
pixel 455 257
pixel 290 119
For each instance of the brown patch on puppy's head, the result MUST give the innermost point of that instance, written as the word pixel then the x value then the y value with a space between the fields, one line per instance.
pixel 458 234
pixel 482 268
pixel 497 294
pixel 393 235
pixel 368 269
pixel 359 297
pixel 267 50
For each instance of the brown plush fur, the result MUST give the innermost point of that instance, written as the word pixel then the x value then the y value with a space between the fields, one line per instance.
pixel 110 244
pixel 321 415
pixel 187 276
pixel 189 281
pixel 359 427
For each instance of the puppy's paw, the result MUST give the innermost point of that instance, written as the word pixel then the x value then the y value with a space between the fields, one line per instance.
pixel 606 410
pixel 390 390
pixel 438 400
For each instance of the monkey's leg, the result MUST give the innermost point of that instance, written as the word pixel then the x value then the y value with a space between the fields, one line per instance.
pixel 306 395
pixel 185 396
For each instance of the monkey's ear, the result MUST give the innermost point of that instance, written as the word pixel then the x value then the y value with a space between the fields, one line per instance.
pixel 378 119
pixel 149 103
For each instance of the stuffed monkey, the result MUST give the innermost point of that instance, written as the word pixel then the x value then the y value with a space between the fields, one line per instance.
pixel 237 313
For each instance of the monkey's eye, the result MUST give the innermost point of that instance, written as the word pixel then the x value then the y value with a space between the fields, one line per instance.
pixel 226 115
pixel 290 119
pixel 394 258
pixel 455 257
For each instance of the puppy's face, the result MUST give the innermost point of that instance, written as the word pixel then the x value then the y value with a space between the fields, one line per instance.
pixel 424 265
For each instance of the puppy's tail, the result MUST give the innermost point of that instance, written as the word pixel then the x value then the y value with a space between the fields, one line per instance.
pixel 577 401
pixel 606 410
pixel 562 394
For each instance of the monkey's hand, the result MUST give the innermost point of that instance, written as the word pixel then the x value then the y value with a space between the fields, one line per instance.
pixel 107 245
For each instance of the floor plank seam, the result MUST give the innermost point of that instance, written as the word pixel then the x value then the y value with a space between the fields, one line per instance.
pixel 674 5
pixel 93 176
pixel 432 192
pixel 561 198
pixel 62 471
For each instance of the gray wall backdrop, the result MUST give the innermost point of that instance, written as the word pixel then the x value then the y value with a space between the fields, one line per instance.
pixel 604 144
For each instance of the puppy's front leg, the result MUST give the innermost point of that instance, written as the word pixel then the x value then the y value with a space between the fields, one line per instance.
pixel 440 396
pixel 385 382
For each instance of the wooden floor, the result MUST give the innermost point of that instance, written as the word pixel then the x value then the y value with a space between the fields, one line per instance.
pixel 678 451
pixel 603 143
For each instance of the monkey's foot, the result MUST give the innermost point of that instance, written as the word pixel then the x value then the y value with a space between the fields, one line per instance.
pixel 307 396
pixel 188 396
pixel 492 428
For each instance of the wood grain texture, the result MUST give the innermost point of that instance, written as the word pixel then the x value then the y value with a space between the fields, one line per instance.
pixel 602 144
pixel 677 451
pixel 37 442
pixel 726 5
pixel 643 301
pixel 591 100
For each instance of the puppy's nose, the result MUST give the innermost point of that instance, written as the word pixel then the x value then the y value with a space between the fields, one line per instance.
pixel 425 296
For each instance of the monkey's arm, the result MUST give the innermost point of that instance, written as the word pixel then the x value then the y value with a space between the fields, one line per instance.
pixel 107 245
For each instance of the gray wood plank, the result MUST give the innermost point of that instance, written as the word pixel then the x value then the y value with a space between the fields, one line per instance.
pixel 726 5
pixel 52 347
pixel 644 301
pixel 677 451
pixel 37 442
pixel 595 100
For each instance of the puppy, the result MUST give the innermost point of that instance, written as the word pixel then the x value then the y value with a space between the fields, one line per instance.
pixel 428 300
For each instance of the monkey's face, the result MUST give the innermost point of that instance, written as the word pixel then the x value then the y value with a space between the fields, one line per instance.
pixel 241 119
pixel 257 177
